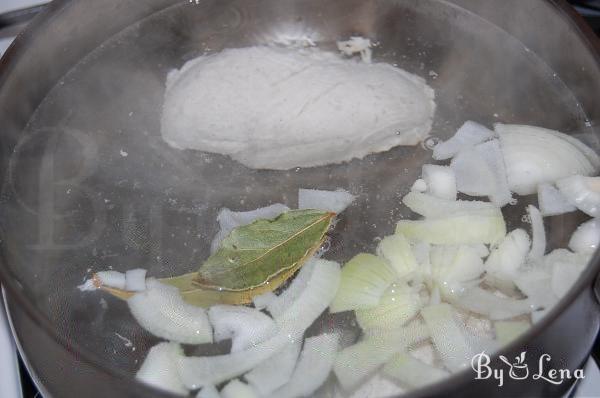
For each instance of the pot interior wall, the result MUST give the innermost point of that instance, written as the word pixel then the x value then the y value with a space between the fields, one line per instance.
pixel 91 185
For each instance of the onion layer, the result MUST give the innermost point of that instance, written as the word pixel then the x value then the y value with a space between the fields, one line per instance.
pixel 160 309
pixel 534 155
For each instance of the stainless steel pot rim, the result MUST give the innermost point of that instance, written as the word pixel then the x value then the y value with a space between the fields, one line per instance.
pixel 13 290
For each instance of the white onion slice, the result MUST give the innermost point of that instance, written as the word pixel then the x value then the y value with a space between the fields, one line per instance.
pixel 431 207
pixel 582 192
pixel 468 135
pixel 486 303
pixel 229 220
pixel 586 237
pixel 440 181
pixel 398 305
pixel 356 363
pixel 135 280
pixel 492 153
pixel 159 369
pixel 112 279
pixel 398 253
pixel 364 280
pixel 534 155
pixel 538 233
pixel 505 261
pixel 276 371
pixel 262 301
pixel 310 304
pixel 482 226
pixel 412 372
pixel 208 392
pixel 161 310
pixel 237 389
pixel 566 267
pixel 480 171
pixel 419 186
pixel 335 201
pixel 449 336
pixel 314 366
pixel 507 331
pixel 564 276
pixel 281 303
pixel 536 285
pixel 473 174
pixel 453 267
pixel 245 326
pixel 384 386
pixel 552 202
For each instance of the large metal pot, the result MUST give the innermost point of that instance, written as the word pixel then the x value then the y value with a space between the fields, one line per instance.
pixel 83 85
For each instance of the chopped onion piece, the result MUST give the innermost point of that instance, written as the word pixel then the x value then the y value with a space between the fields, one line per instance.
pixel 397 251
pixel 467 136
pixel 208 392
pixel 159 369
pixel 309 305
pixel 537 316
pixel 229 220
pixel 364 280
pixel 481 249
pixel 384 386
pixel 358 362
pixel 534 155
pixel 112 279
pixel 412 372
pixel 262 301
pixel 534 284
pixel 280 304
pixel 135 280
pixel 483 226
pixel 480 171
pixel 552 202
pixel 505 261
pixel 419 186
pixel 245 326
pixel 440 181
pixel 538 233
pixel 564 276
pixel 432 207
pixel 160 309
pixel 452 267
pixel 449 336
pixel 335 201
pixel 507 331
pixel 276 371
pixel 314 366
pixel 421 251
pixel 397 306
pixel 586 237
pixel 486 303
pixel 237 389
pixel 492 154
pixel 473 175
pixel 582 192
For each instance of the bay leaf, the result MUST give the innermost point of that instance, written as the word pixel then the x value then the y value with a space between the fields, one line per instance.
pixel 195 295
pixel 258 254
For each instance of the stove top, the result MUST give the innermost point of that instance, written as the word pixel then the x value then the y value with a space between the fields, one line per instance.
pixel 14 379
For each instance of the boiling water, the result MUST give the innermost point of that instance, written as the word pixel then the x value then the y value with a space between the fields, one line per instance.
pixel 113 195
